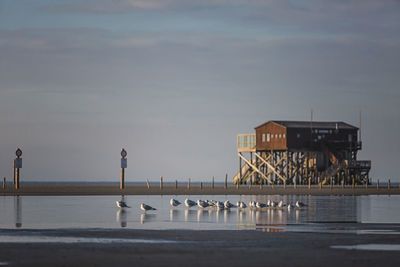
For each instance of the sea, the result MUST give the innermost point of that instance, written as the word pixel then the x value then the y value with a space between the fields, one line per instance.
pixel 87 212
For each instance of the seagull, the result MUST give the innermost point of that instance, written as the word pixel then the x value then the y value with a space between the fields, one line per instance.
pixel 211 203
pixel 146 207
pixel 202 204
pixel 220 205
pixel 269 203
pixel 252 204
pixel 273 204
pixel 174 202
pixel 189 203
pixel 121 204
pixel 300 204
pixel 290 206
pixel 281 204
pixel 260 205
pixel 228 204
pixel 241 204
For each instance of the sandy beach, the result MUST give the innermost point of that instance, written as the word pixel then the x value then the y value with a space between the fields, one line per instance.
pixel 201 248
pixel 195 189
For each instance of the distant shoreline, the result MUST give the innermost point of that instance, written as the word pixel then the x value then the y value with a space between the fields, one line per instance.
pixel 72 189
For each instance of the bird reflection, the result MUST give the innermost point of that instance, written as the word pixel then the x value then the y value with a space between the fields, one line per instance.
pixel 189 214
pixel 145 217
pixel 122 217
pixel 18 211
pixel 200 214
pixel 227 214
pixel 173 214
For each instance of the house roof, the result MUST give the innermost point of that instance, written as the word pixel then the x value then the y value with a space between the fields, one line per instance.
pixel 315 124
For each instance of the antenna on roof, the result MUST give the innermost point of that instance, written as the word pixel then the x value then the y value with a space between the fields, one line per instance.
pixel 311 120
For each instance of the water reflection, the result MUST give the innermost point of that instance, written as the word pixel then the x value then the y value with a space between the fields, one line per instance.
pixel 173 214
pixel 146 217
pixel 122 217
pixel 101 211
pixel 18 211
pixel 190 215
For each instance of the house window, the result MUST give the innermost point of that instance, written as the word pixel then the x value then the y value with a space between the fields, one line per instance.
pixel 268 137
pixel 263 137
pixel 283 135
pixel 280 136
pixel 298 135
pixel 276 135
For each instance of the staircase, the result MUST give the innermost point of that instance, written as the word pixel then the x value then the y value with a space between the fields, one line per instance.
pixel 247 171
pixel 336 165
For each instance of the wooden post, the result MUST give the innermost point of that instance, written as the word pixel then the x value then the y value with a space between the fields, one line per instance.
pixel 377 184
pixel 188 186
pixel 226 181
pixel 148 183
pixel 176 184
pixel 331 183
pixel 353 184
pixel 161 183
pixel 4 183
pixel 17 178
pixel 240 168
pixel 320 185
pixel 389 184
pixel 343 182
pixel 284 184
pixel 201 185
pixel 237 186
pixel 261 185
pixel 212 183
pixel 309 183
pixel 366 184
pixel 122 183
pixel 295 183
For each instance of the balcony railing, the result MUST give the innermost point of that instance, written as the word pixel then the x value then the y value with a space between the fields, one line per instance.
pixel 246 142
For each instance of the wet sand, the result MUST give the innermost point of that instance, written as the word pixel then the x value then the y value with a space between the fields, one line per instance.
pixel 200 248
pixel 195 189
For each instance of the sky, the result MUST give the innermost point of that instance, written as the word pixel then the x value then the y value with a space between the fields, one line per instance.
pixel 174 81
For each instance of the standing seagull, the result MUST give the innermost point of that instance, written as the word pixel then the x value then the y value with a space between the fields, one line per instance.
pixel 290 206
pixel 300 204
pixel 189 203
pixel 146 207
pixel 174 202
pixel 228 204
pixel 202 204
pixel 121 204
pixel 260 205
pixel 241 204
pixel 219 205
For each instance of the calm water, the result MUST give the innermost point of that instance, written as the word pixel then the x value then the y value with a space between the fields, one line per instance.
pixel 40 212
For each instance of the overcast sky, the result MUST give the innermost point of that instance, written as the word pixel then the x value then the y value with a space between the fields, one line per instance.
pixel 174 82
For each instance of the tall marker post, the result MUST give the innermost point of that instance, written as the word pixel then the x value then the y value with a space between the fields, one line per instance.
pixel 17 166
pixel 124 164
